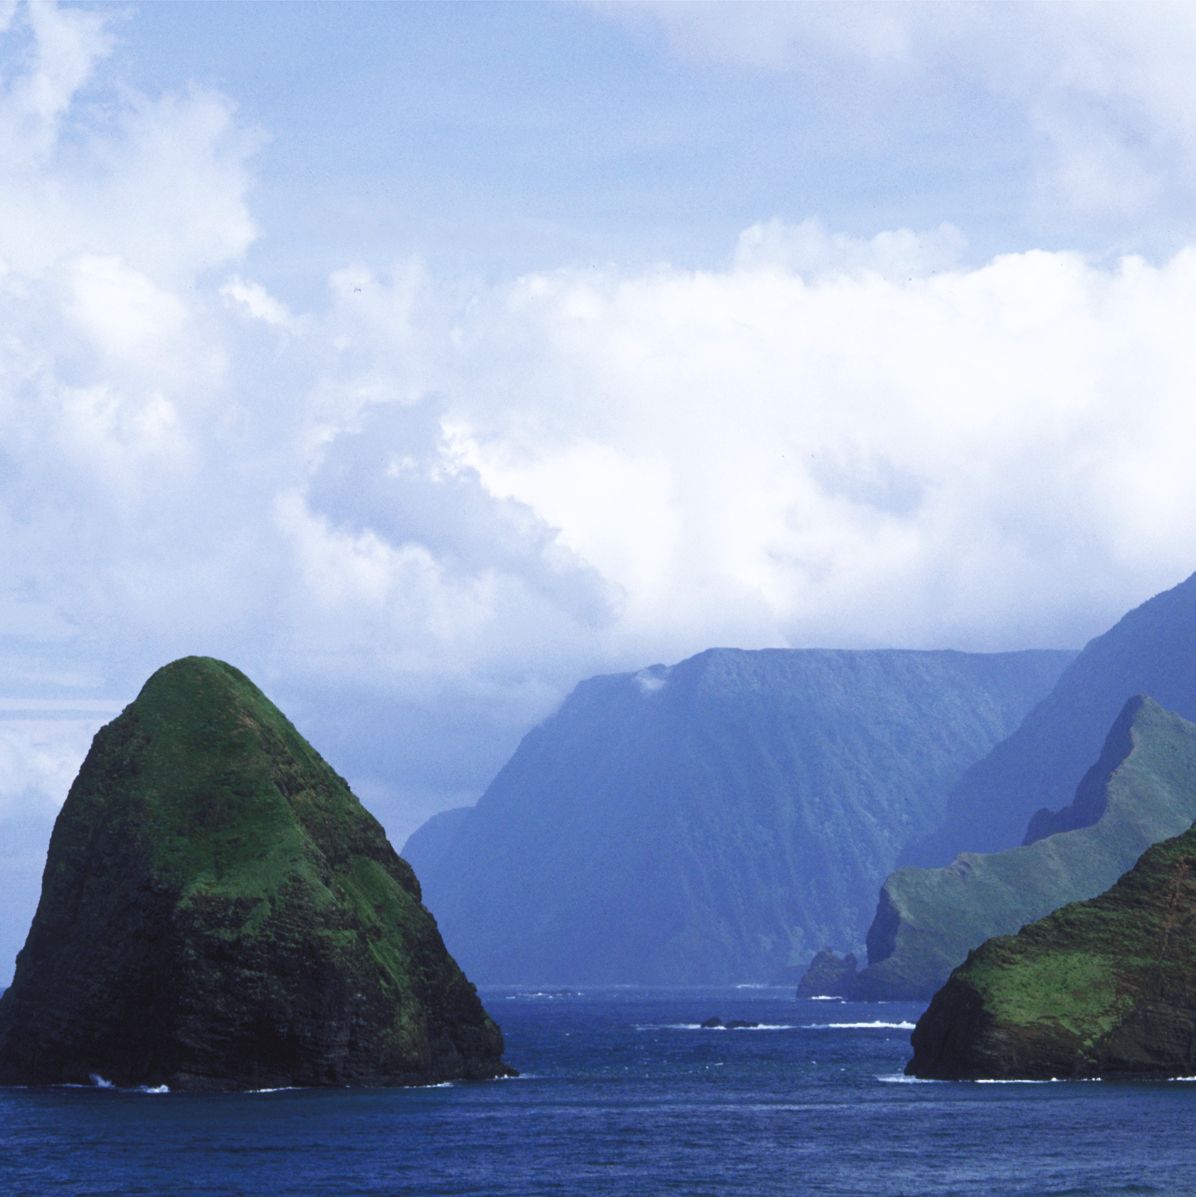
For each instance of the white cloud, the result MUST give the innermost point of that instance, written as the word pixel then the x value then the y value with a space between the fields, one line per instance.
pixel 813 251
pixel 125 316
pixel 67 45
pixel 753 457
pixel 451 500
pixel 255 301
pixel 39 758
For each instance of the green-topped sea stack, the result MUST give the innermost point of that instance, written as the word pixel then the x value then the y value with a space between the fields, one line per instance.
pixel 219 911
pixel 1102 988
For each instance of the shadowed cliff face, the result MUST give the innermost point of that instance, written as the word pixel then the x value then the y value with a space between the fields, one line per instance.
pixel 718 820
pixel 1140 791
pixel 1105 987
pixel 218 910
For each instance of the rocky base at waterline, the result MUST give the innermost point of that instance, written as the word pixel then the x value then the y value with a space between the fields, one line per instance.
pixel 218 911
pixel 1103 988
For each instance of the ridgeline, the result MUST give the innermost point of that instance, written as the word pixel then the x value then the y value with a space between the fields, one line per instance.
pixel 1141 790
pixel 716 821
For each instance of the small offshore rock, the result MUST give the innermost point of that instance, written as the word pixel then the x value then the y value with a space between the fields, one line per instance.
pixel 829 975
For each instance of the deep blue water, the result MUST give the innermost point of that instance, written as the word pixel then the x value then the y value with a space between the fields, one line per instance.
pixel 621 1095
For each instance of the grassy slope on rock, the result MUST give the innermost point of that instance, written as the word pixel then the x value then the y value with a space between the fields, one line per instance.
pixel 1102 987
pixel 1145 785
pixel 212 877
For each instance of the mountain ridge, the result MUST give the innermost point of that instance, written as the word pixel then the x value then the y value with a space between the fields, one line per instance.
pixel 670 825
pixel 1149 650
pixel 1142 789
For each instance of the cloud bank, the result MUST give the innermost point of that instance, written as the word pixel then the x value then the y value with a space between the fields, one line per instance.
pixel 422 508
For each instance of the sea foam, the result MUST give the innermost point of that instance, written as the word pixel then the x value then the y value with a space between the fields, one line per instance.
pixel 858 1026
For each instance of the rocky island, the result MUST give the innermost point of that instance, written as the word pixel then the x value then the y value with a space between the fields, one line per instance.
pixel 218 911
pixel 1102 988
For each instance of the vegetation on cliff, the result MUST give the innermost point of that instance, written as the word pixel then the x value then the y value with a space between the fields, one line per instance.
pixel 1105 987
pixel 218 910
pixel 1140 791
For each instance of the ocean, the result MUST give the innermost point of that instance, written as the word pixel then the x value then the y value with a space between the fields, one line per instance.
pixel 622 1092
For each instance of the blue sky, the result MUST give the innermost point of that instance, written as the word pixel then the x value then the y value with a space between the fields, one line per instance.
pixel 425 359
pixel 501 138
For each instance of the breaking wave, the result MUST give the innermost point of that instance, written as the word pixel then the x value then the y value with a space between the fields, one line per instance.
pixel 697 1026
pixel 858 1026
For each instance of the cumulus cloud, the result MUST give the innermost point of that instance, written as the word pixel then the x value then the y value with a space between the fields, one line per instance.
pixel 757 458
pixel 813 251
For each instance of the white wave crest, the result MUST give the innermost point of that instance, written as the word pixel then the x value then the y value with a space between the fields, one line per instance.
pixel 1025 1080
pixel 100 1082
pixel 697 1026
pixel 858 1026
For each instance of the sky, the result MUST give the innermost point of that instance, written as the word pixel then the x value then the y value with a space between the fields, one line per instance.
pixel 425 359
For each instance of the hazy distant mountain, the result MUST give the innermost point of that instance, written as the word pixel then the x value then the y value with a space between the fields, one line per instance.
pixel 1152 650
pixel 1142 790
pixel 430 840
pixel 719 819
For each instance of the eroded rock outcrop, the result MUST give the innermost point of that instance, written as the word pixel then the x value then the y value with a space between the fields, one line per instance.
pixel 829 975
pixel 219 911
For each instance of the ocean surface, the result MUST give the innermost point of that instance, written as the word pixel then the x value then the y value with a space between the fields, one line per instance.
pixel 623 1093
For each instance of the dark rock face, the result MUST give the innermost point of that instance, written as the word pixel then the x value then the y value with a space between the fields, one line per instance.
pixel 1151 650
pixel 219 911
pixel 1101 988
pixel 718 820
pixel 829 975
pixel 1142 790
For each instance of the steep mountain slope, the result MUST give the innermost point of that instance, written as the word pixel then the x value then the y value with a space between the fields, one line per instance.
pixel 719 819
pixel 1105 987
pixel 431 840
pixel 1142 790
pixel 219 911
pixel 1152 650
